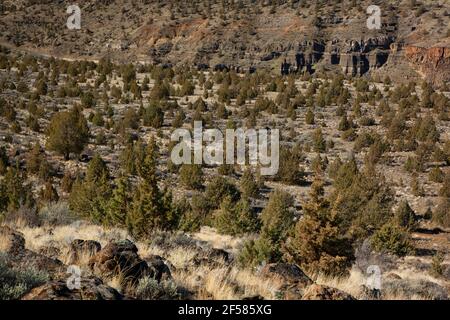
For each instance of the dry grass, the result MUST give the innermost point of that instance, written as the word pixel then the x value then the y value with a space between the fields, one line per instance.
pixel 217 240
pixel 36 238
pixel 207 281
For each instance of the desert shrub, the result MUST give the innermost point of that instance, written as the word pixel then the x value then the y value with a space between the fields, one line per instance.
pixel 14 191
pixel 153 116
pixel 48 193
pixel 218 189
pixel 392 239
pixel 289 170
pixel 55 214
pixel 436 175
pixel 363 200
pixel 150 289
pixel 248 185
pixel 277 220
pixel 191 176
pixel 437 267
pixel 236 219
pixel 4 160
pixel 441 214
pixel 344 124
pixel 405 216
pixel 309 117
pixel 89 196
pixel 15 282
pixel 445 189
pixel 119 203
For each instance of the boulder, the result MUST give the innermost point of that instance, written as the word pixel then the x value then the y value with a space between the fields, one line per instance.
pixel 119 258
pixel 38 261
pixel 320 292
pixel 287 273
pixel 90 289
pixel 157 268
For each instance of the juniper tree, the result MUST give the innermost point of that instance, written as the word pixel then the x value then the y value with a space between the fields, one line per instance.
pixel 317 243
pixel 89 197
pixel 149 211
pixel 120 202
pixel 235 218
pixel 405 216
pixel 68 132
pixel 277 219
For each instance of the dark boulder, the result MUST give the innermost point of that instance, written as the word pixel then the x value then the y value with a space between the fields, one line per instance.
pixel 90 289
pixel 119 258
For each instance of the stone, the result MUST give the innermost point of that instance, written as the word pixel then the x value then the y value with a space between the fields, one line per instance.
pixel 287 273
pixel 158 269
pixel 320 292
pixel 90 289
pixel 119 258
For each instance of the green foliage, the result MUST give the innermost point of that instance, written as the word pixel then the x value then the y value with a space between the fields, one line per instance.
pixel 248 185
pixel 153 116
pixel 309 117
pixel 362 200
pixel 15 282
pixel 120 202
pixel 191 176
pixel 317 244
pixel 89 197
pixel 68 132
pixel 392 239
pixel 405 216
pixel 151 208
pixel 441 214
pixel 236 218
pixel 319 142
pixel 277 219
pixel 289 170
pixel 14 192
pixel 437 267
pixel 150 289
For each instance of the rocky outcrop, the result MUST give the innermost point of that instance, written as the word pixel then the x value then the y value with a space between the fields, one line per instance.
pixel 319 292
pixel 288 273
pixel 433 63
pixel 119 258
pixel 90 289
pixel 157 268
pixel 291 280
pixel 354 57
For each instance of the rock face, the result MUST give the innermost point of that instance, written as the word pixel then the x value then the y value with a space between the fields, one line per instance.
pixel 433 63
pixel 119 258
pixel 319 292
pixel 91 289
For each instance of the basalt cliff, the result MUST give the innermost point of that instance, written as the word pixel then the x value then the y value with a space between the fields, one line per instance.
pixel 291 36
